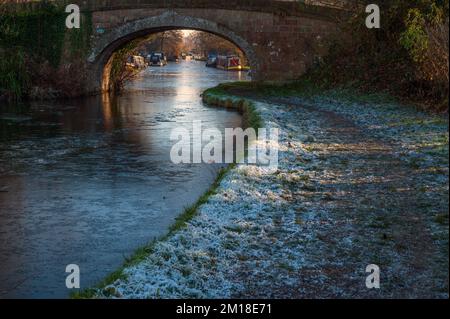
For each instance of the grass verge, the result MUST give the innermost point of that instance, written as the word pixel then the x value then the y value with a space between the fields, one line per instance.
pixel 221 96
pixel 304 87
pixel 309 86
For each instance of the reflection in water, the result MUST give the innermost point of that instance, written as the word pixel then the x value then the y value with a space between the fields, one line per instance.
pixel 90 180
pixel 107 112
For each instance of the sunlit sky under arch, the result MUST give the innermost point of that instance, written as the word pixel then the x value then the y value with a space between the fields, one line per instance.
pixel 187 33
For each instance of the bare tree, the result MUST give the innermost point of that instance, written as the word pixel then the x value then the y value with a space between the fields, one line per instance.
pixel 169 42
pixel 205 43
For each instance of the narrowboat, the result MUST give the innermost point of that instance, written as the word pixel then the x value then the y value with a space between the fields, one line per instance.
pixel 158 59
pixel 230 63
pixel 212 61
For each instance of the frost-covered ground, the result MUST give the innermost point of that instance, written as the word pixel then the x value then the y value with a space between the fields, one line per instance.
pixel 357 184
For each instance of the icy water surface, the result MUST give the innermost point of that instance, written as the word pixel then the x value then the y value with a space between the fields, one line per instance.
pixel 88 181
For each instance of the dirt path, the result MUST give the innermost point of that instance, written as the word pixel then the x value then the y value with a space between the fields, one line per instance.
pixel 377 212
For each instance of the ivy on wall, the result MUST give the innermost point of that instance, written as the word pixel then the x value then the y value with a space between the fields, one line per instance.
pixel 37 36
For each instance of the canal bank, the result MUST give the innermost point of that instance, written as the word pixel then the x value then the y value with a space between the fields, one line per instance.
pixel 361 180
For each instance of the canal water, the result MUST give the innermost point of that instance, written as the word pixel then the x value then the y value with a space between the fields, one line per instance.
pixel 88 181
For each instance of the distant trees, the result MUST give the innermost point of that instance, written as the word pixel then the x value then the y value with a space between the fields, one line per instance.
pixel 174 42
pixel 205 43
pixel 169 42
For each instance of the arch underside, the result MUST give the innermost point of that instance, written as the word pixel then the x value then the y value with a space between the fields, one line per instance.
pixel 108 43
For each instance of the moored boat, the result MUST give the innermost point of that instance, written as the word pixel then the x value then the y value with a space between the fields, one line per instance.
pixel 212 61
pixel 230 63
pixel 158 59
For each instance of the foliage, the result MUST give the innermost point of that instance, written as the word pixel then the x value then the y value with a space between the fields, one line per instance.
pixel 414 38
pixel 13 76
pixel 39 32
pixel 37 37
pixel 120 73
pixel 407 56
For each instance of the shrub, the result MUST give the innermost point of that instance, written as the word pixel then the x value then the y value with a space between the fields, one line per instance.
pixel 407 56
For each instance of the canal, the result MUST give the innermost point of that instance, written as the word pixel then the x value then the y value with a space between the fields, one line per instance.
pixel 88 181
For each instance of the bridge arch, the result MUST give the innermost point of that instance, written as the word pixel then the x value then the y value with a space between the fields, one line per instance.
pixel 108 43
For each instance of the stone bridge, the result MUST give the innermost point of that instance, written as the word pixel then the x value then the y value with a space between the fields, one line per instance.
pixel 281 39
